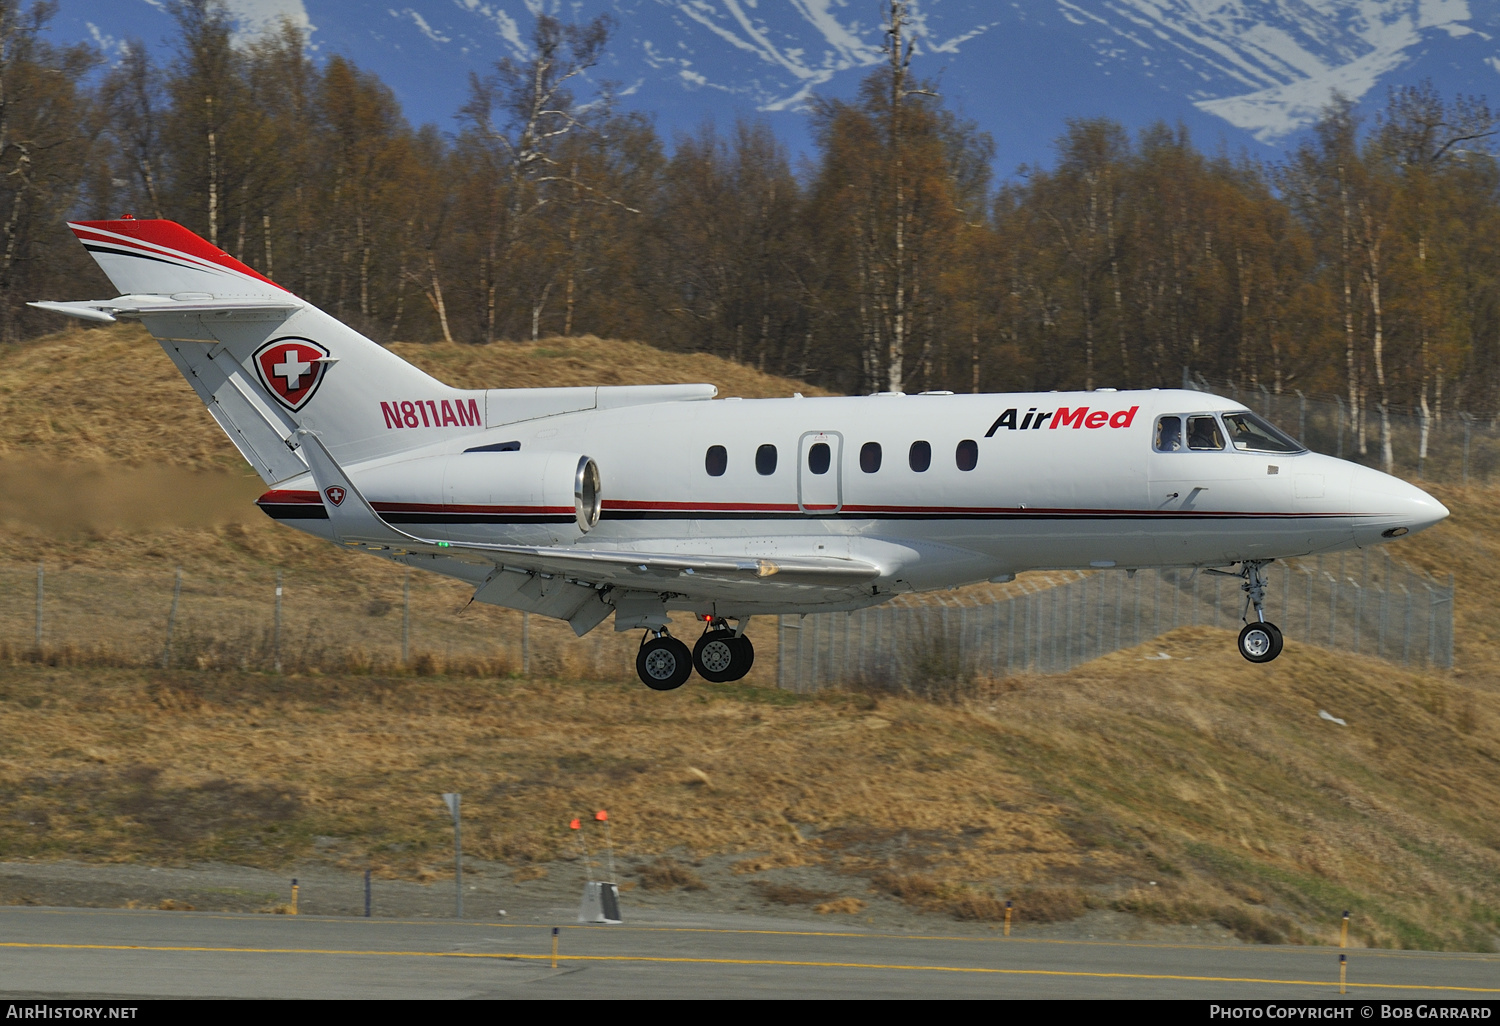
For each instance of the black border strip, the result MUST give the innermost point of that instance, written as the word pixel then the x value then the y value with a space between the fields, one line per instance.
pixel 96 248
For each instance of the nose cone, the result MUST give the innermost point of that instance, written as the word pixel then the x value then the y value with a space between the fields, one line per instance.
pixel 1387 507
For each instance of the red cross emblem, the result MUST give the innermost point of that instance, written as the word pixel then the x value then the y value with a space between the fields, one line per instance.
pixel 291 369
pixel 335 495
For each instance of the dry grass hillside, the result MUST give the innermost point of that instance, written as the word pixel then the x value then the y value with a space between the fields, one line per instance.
pixel 110 394
pixel 106 456
pixel 1192 789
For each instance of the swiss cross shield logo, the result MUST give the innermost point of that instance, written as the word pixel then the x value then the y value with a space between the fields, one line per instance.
pixel 335 495
pixel 291 369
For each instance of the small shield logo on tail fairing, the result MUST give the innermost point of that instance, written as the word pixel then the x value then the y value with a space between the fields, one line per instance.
pixel 335 495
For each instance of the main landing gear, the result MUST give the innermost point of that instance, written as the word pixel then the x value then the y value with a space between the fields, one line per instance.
pixel 1260 640
pixel 720 656
pixel 664 663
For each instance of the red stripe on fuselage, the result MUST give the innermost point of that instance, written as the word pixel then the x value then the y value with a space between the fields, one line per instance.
pixel 288 497
pixel 295 497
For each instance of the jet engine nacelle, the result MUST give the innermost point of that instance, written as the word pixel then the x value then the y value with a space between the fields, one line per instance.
pixel 486 483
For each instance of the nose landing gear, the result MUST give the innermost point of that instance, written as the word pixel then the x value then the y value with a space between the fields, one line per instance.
pixel 1260 641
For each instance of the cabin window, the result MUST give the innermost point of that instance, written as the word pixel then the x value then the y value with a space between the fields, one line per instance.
pixel 920 456
pixel 819 457
pixel 869 457
pixel 1249 433
pixel 716 461
pixel 1168 434
pixel 1203 433
pixel 967 454
pixel 765 460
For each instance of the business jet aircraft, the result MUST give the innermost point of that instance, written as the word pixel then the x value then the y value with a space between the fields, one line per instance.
pixel 577 503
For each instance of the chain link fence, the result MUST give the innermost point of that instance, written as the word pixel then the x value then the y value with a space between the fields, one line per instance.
pixel 1460 448
pixel 297 622
pixel 1364 603
pixel 383 621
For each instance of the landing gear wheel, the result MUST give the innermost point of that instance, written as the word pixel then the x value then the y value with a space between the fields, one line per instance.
pixel 1260 641
pixel 715 656
pixel 721 657
pixel 744 659
pixel 664 663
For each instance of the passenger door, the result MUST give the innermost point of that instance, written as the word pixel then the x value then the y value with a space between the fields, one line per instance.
pixel 820 472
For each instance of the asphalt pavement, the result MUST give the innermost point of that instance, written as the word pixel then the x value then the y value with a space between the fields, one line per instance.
pixel 100 953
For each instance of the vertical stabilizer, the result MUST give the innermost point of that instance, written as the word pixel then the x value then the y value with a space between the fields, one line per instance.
pixel 264 361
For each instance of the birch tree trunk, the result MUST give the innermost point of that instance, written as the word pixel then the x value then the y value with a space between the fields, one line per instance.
pixel 1350 361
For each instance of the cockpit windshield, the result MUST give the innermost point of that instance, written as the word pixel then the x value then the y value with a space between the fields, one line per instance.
pixel 1249 433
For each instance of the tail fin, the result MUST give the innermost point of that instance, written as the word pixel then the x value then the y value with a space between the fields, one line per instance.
pixel 265 362
pixel 164 258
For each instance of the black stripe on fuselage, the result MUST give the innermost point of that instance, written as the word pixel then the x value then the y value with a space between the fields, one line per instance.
pixel 307 511
pixel 477 518
pixel 294 510
pixel 629 514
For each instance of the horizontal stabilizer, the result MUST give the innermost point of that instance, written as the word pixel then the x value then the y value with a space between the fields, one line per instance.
pixel 98 312
pixel 107 311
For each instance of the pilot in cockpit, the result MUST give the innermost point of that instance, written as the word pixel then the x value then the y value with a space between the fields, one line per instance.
pixel 1203 433
pixel 1169 434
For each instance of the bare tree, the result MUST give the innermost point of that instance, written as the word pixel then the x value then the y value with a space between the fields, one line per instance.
pixel 520 114
pixel 898 50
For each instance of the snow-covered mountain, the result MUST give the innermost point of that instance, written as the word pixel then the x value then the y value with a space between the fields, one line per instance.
pixel 1241 73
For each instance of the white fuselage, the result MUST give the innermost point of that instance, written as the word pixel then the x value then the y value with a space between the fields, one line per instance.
pixel 1089 492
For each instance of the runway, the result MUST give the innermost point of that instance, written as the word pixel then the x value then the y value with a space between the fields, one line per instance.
pixel 94 953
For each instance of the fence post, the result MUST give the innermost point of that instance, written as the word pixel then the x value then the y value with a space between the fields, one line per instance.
pixel 1431 626
pixel 995 638
pixel 40 587
pixel 525 644
pixel 1406 630
pixel 1301 417
pixel 1340 401
pixel 1029 601
pixel 1309 603
pixel 1468 420
pixel 166 655
pixel 406 619
pixel 1359 605
pixel 1052 627
pixel 1333 611
pixel 1286 594
pixel 1119 607
pixel 276 635
pixel 781 651
pixel 1449 620
pixel 801 630
pixel 1385 604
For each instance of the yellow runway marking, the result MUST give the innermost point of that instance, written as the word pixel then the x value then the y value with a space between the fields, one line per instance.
pixel 844 934
pixel 528 957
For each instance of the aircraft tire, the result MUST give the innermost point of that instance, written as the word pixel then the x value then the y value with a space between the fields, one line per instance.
pixel 1260 641
pixel 664 663
pixel 716 656
pixel 744 658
